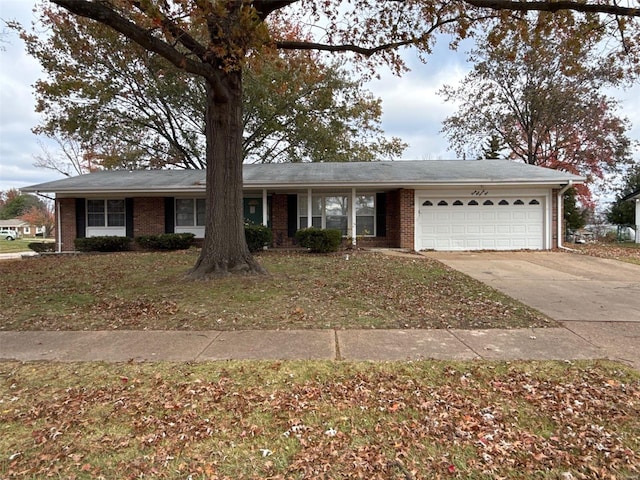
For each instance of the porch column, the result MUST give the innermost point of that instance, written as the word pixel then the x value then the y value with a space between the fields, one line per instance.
pixel 353 216
pixel 265 211
pixel 309 209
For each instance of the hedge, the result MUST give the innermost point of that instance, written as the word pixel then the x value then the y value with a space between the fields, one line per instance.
pixel 102 244
pixel 42 247
pixel 166 241
pixel 319 241
pixel 258 237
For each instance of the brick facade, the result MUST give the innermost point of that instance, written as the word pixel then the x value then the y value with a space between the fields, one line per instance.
pixel 67 209
pixel 279 220
pixel 148 216
pixel 149 219
pixel 554 219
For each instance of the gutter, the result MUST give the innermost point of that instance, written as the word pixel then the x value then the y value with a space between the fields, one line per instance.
pixel 559 206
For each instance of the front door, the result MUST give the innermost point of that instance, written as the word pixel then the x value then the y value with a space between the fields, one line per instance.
pixel 252 211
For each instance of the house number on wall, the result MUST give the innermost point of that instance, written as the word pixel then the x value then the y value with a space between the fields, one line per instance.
pixel 480 193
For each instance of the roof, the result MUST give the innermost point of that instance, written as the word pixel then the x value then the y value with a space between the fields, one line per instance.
pixel 398 174
pixel 13 222
pixel 633 196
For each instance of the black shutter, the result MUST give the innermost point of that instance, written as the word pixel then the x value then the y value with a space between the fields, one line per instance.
pixel 292 215
pixel 169 215
pixel 381 214
pixel 81 218
pixel 128 216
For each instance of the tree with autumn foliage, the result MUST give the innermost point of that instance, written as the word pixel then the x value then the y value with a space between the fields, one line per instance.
pixel 213 39
pixel 540 94
pixel 14 204
pixel 41 216
pixel 128 108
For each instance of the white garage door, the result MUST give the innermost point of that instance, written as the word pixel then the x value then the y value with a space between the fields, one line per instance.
pixel 480 223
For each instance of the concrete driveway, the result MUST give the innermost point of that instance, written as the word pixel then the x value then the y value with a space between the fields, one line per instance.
pixel 598 299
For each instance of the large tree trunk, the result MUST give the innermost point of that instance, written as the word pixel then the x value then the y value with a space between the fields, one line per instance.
pixel 224 251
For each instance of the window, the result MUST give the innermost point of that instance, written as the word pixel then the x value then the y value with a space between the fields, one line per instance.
pixel 458 203
pixel 105 213
pixel 442 203
pixel 365 214
pixel 518 202
pixel 26 230
pixel 190 212
pixel 428 203
pixel 503 202
pixel 316 211
pixel 473 203
pixel 333 211
pixel 336 211
pixel 534 202
pixel 487 202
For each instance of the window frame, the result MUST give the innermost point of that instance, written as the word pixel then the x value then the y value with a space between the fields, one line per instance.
pixel 195 215
pixel 319 219
pixel 106 214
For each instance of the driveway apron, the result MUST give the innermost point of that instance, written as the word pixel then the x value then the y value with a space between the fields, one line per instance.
pixel 564 286
pixel 597 299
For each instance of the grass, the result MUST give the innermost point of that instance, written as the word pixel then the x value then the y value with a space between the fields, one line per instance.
pixel 19 245
pixel 295 420
pixel 623 251
pixel 147 291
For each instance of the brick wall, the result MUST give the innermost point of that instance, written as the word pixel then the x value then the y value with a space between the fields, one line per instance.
pixel 279 222
pixel 148 216
pixel 67 210
pixel 407 218
pixel 148 219
pixel 554 219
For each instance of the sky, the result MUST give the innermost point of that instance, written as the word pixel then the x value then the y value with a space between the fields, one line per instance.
pixel 412 110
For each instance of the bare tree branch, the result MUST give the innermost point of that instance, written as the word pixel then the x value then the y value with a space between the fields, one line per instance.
pixel 552 6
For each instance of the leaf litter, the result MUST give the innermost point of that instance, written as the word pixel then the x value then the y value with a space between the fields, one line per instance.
pixel 137 291
pixel 313 420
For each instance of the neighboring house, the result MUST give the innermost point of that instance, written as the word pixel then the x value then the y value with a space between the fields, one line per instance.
pixel 22 228
pixel 635 197
pixel 440 205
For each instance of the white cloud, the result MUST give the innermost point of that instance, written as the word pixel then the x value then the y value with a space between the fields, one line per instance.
pixel 412 110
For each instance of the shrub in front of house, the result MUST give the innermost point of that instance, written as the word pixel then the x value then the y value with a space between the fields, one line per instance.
pixel 166 241
pixel 258 237
pixel 42 247
pixel 102 244
pixel 319 241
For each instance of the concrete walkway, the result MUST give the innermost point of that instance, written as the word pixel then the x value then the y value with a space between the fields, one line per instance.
pixel 122 346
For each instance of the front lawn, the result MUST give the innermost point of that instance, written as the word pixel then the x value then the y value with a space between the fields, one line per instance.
pixel 320 420
pixel 147 291
pixel 625 252
pixel 19 245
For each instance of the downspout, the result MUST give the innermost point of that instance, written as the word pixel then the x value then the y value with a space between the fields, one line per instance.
pixel 559 216
pixel 58 225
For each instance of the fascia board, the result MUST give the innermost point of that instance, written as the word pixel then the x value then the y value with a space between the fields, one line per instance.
pixel 297 186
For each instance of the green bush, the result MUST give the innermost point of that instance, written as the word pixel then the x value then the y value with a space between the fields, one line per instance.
pixel 258 237
pixel 42 247
pixel 166 241
pixel 102 244
pixel 319 241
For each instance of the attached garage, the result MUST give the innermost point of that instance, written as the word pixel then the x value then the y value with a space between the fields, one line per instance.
pixel 507 221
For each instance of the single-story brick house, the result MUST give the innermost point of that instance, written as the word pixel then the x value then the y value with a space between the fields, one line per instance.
pixel 441 205
pixel 22 228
